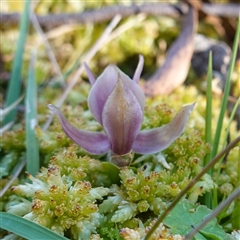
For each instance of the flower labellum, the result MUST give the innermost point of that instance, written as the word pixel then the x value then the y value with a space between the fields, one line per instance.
pixel 117 103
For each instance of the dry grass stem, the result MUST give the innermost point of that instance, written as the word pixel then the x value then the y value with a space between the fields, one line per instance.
pixel 47 46
pixel 9 183
pixel 90 54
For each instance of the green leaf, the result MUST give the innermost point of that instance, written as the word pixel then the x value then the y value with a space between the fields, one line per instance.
pixel 26 228
pixel 208 126
pixel 31 121
pixel 14 86
pixel 185 216
pixel 112 171
pixel 6 164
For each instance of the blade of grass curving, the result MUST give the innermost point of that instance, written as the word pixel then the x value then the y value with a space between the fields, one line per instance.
pixel 13 91
pixel 26 228
pixel 226 93
pixel 5 128
pixel 48 48
pixel 5 111
pixel 214 213
pixel 80 70
pixel 17 170
pixel 208 125
pixel 191 184
pixel 15 173
pixel 31 120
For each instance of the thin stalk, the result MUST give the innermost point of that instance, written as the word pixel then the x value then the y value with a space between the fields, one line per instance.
pixel 227 132
pixel 234 110
pixel 239 166
pixel 31 120
pixel 214 213
pixel 48 48
pixel 14 87
pixel 5 128
pixel 16 173
pixel 190 185
pixel 215 192
pixel 226 93
pixel 118 31
pixel 208 127
pixel 5 111
pixel 80 70
pixel 236 213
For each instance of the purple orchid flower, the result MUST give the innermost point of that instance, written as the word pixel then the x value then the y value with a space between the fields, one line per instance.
pixel 117 103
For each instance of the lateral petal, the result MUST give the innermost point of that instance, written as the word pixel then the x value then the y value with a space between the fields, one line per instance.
pixel 105 84
pixel 93 142
pixel 101 90
pixel 122 118
pixel 155 140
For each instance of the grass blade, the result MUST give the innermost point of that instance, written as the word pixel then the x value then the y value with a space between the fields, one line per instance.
pixel 234 110
pixel 31 121
pixel 208 126
pixel 26 228
pixel 236 212
pixel 226 93
pixel 14 87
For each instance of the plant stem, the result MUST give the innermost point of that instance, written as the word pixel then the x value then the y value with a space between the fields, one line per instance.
pixel 214 213
pixel 208 127
pixel 226 93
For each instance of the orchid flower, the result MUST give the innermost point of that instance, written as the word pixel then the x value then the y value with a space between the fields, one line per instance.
pixel 117 103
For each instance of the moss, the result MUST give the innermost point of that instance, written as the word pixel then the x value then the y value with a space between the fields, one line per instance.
pixel 13 141
pixel 61 202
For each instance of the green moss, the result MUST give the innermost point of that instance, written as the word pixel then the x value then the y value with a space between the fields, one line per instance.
pixel 62 201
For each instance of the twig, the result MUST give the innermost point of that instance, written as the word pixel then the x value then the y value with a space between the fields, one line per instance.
pixel 222 10
pixel 5 128
pixel 191 184
pixel 107 13
pixel 216 211
pixel 19 169
pixel 87 58
pixel 125 26
pixel 59 31
pixel 49 51
pixel 174 70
